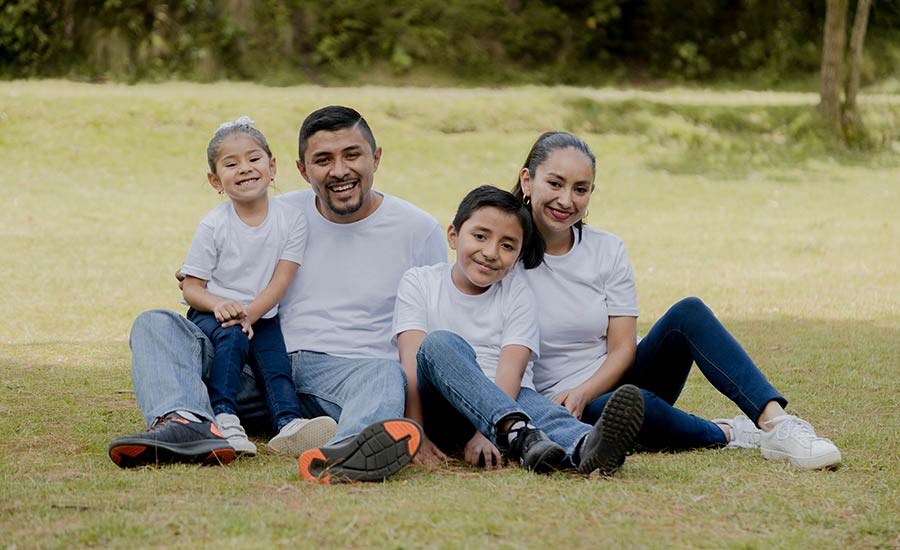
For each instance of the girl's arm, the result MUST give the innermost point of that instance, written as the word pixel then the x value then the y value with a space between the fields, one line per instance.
pixel 621 344
pixel 196 295
pixel 408 343
pixel 281 279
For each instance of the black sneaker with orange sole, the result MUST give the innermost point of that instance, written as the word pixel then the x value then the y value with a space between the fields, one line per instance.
pixel 378 452
pixel 172 439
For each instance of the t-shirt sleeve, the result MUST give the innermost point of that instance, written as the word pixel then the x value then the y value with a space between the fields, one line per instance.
pixel 621 293
pixel 433 248
pixel 295 245
pixel 410 307
pixel 202 255
pixel 520 322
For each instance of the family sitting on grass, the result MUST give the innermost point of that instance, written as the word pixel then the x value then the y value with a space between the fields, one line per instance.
pixel 524 348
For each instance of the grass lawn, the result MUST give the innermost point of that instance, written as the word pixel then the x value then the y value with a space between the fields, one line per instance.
pixel 727 196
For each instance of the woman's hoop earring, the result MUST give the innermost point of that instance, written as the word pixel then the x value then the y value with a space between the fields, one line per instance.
pixel 526 200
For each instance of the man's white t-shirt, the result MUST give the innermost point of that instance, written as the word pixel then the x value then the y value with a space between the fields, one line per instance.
pixel 503 315
pixel 237 259
pixel 342 300
pixel 576 293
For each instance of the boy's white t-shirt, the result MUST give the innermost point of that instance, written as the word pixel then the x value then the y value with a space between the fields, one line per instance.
pixel 576 293
pixel 237 259
pixel 503 315
pixel 342 301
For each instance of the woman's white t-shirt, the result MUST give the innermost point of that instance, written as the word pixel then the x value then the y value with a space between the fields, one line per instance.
pixel 237 259
pixel 503 315
pixel 576 294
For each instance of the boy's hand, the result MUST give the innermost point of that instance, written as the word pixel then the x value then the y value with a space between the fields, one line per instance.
pixel 429 454
pixel 480 451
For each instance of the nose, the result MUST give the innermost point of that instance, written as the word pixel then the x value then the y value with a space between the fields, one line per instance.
pixel 339 169
pixel 565 199
pixel 489 250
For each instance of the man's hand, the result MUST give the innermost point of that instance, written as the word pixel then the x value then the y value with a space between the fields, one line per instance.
pixel 480 451
pixel 429 454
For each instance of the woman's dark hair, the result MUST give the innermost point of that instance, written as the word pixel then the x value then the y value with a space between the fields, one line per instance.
pixel 331 119
pixel 532 252
pixel 546 144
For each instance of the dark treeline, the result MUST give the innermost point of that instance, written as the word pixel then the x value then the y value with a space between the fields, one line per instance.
pixel 491 41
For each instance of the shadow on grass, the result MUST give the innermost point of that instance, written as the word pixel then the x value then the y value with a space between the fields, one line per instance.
pixel 733 142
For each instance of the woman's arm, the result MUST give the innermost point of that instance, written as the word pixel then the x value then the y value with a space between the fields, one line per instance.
pixel 621 338
pixel 273 293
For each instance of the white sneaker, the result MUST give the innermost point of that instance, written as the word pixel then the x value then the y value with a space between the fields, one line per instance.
pixel 231 429
pixel 300 435
pixel 794 440
pixel 744 433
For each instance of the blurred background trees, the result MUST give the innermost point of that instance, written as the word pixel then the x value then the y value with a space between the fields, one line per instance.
pixel 757 42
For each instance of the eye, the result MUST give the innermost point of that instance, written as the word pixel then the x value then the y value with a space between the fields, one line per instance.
pixel 255 159
pixel 321 161
pixel 582 190
pixel 478 236
pixel 352 156
pixel 230 164
pixel 554 184
pixel 508 246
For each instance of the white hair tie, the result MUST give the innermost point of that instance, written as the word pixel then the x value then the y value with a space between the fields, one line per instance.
pixel 239 121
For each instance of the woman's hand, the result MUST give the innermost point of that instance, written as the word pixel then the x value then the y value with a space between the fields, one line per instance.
pixel 574 400
pixel 429 454
pixel 480 451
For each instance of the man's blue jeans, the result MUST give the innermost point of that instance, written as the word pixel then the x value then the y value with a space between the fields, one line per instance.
pixel 171 358
pixel 457 399
pixel 689 333
pixel 267 358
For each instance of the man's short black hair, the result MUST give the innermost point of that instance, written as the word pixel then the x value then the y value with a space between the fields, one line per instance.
pixel 330 119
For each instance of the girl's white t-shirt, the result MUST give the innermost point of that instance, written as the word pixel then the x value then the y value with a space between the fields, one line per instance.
pixel 237 259
pixel 503 315
pixel 576 293
pixel 342 301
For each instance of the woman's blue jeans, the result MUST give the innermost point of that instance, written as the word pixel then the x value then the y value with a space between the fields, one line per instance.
pixel 458 399
pixel 265 354
pixel 689 333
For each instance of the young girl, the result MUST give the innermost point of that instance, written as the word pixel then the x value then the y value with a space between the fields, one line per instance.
pixel 243 257
pixel 467 333
pixel 588 309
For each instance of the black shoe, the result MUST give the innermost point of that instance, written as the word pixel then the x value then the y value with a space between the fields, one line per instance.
pixel 376 453
pixel 531 448
pixel 614 433
pixel 172 438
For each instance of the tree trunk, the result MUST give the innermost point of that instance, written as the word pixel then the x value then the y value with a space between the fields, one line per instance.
pixel 833 61
pixel 854 57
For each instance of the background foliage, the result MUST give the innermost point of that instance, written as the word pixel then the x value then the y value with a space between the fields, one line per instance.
pixel 489 41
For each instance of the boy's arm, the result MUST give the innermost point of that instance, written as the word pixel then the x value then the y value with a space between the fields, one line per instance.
pixel 281 279
pixel 511 367
pixel 408 343
pixel 196 295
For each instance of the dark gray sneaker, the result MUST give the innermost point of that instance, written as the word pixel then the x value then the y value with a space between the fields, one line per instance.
pixel 172 438
pixel 613 436
pixel 531 448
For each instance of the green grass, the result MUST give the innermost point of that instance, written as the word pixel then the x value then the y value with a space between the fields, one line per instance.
pixel 731 196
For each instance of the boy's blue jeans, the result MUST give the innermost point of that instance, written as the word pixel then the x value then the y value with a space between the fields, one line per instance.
pixel 171 358
pixel 458 399
pixel 689 333
pixel 265 354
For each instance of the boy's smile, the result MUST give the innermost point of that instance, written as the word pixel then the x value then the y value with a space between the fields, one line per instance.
pixel 487 246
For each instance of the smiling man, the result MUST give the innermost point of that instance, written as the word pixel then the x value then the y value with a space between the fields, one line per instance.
pixel 336 320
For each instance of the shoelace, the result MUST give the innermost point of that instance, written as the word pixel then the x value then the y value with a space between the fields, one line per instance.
pixel 158 423
pixel 800 429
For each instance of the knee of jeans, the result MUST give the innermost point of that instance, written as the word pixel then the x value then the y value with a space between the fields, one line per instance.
pixel 236 337
pixel 440 343
pixel 150 321
pixel 690 306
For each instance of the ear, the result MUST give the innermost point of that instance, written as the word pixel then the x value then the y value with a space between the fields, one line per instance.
pixel 451 236
pixel 377 158
pixel 302 169
pixel 215 182
pixel 525 182
pixel 273 167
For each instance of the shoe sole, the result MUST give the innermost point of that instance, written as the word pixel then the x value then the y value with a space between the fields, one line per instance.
pixel 315 433
pixel 828 460
pixel 135 452
pixel 618 427
pixel 378 452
